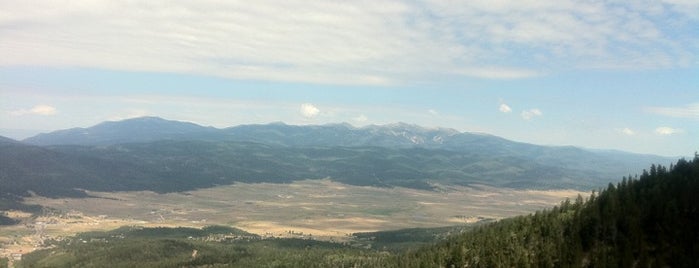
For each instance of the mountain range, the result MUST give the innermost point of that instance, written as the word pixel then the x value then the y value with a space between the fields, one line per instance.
pixel 146 129
pixel 152 153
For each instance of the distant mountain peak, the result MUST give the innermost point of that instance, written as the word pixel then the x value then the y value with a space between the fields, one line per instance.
pixel 343 124
pixel 139 129
pixel 402 126
pixel 144 120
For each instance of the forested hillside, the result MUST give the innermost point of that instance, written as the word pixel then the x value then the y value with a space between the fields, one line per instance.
pixel 171 166
pixel 646 221
pixel 651 220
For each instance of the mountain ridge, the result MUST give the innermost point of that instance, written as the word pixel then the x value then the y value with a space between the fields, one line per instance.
pixel 411 134
pixel 163 155
pixel 397 135
pixel 115 132
pixel 141 129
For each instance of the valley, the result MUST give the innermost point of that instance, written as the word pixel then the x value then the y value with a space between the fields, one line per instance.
pixel 309 209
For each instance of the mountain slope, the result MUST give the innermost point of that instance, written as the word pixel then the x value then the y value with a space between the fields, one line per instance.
pixel 5 140
pixel 26 168
pixel 143 129
pixel 168 166
pixel 196 162
pixel 651 221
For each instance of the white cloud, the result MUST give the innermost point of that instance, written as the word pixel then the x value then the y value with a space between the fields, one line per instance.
pixel 505 108
pixel 531 113
pixel 41 109
pixel 360 119
pixel 627 131
pixel 349 42
pixel 309 110
pixel 433 112
pixel 668 131
pixel 688 111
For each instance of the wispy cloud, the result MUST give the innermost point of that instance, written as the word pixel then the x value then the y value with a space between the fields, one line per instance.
pixel 505 108
pixel 433 112
pixel 349 42
pixel 688 111
pixel 41 109
pixel 498 72
pixel 627 131
pixel 668 131
pixel 308 110
pixel 531 113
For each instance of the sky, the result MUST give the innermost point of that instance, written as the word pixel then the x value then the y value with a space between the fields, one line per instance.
pixel 620 75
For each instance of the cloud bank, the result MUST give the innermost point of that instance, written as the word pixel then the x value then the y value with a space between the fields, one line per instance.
pixel 36 110
pixel 688 111
pixel 665 131
pixel 350 42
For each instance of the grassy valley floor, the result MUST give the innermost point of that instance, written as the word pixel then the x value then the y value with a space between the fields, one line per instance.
pixel 311 209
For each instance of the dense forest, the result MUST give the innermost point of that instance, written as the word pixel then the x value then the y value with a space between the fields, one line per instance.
pixel 651 220
pixel 188 247
pixel 646 221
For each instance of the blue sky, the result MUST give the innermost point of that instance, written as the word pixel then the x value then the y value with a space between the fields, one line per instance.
pixel 596 74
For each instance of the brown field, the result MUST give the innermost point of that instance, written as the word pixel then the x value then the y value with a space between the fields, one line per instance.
pixel 321 208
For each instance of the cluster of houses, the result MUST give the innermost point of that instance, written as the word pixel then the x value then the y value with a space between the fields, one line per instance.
pixel 12 256
pixel 226 237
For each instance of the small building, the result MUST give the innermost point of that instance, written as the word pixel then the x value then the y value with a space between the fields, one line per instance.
pixel 16 256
